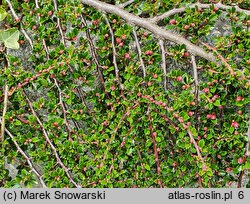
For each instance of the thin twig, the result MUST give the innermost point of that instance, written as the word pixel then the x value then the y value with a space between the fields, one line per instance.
pixel 239 185
pixel 116 130
pixel 5 103
pixel 43 40
pixel 63 110
pixel 37 4
pixel 204 166
pixel 248 139
pixel 146 24
pixel 79 91
pixel 158 164
pixel 196 85
pixel 163 64
pixel 59 24
pixel 46 135
pixel 196 82
pixel 123 5
pixel 93 53
pixel 27 158
pixel 22 30
pixel 174 11
pixel 232 72
pixel 139 52
pixel 114 56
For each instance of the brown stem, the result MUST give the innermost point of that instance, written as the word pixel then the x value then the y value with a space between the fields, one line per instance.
pixel 63 110
pixel 144 23
pixel 174 11
pixel 94 54
pixel 114 57
pixel 123 5
pixel 139 53
pixel 163 64
pixel 46 135
pixel 59 24
pixel 158 165
pixel 27 158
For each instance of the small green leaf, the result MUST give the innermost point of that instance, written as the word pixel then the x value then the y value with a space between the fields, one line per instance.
pixel 231 129
pixel 147 167
pixel 201 143
pixel 217 103
pixel 158 139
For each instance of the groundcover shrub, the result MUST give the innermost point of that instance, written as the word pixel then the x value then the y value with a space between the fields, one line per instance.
pixel 124 93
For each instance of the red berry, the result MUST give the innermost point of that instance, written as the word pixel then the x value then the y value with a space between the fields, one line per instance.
pixel 213 117
pixel 192 103
pixel 181 120
pixel 118 40
pixel 105 123
pixel 145 34
pixel 149 52
pixel 112 88
pixel 155 76
pixel 123 37
pixel 18 20
pixel 240 160
pixel 95 22
pixel 209 116
pixel 122 143
pixel 174 164
pixel 239 98
pixel 220 107
pixel 186 54
pixel 186 27
pixel 114 21
pixel 21 42
pixel 61 52
pixel 121 44
pixel 55 124
pixel 235 124
pixel 205 90
pixel 172 22
pixel 154 134
pixel 34 27
pixel 149 83
pixel 190 113
pixel 127 56
pixel 192 25
pixel 106 35
pixel 179 78
pixel 216 9
pixel 50 13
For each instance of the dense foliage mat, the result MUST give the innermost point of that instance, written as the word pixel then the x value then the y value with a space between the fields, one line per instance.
pixel 124 94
